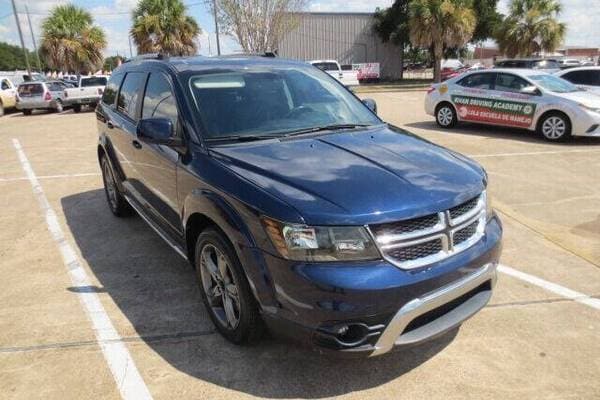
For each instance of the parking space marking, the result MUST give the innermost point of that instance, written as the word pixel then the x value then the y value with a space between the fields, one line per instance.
pixel 535 153
pixel 551 287
pixel 59 176
pixel 121 364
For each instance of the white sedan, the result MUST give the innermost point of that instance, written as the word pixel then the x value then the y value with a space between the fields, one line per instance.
pixel 519 98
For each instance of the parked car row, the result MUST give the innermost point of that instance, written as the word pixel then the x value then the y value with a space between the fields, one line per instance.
pixel 55 95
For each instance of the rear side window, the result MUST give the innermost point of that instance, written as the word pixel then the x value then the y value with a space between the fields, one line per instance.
pixel 30 89
pixel 478 81
pixel 591 78
pixel 129 94
pixel 5 84
pixel 510 83
pixel 110 92
pixel 93 81
pixel 159 101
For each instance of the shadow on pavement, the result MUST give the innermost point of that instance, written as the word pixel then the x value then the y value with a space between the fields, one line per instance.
pixel 499 132
pixel 156 291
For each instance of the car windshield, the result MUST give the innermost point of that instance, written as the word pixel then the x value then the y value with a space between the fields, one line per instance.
pixel 274 101
pixel 30 89
pixel 554 84
pixel 326 66
pixel 94 81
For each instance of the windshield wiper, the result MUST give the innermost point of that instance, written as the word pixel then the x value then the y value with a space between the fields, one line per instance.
pixel 241 138
pixel 333 127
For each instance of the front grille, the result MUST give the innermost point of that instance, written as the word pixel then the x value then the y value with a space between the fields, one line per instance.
pixel 464 208
pixel 414 252
pixel 465 233
pixel 408 226
pixel 419 241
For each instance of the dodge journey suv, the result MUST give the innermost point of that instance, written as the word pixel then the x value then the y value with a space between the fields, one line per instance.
pixel 299 209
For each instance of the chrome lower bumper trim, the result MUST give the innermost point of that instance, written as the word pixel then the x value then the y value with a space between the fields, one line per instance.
pixel 393 334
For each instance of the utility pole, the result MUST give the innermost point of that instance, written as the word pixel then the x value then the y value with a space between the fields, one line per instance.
pixel 130 48
pixel 21 37
pixel 37 54
pixel 216 27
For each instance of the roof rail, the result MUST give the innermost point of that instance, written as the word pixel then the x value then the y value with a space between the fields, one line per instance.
pixel 243 54
pixel 148 56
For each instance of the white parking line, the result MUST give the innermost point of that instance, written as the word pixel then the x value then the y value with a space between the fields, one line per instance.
pixel 59 176
pixel 126 375
pixel 551 287
pixel 535 153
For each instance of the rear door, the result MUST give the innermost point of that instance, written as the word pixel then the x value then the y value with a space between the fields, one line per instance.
pixel 157 164
pixel 31 95
pixel 472 96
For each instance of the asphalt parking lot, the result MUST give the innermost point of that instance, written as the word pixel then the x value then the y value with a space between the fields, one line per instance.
pixel 66 262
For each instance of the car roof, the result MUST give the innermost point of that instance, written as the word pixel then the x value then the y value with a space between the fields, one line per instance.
pixel 516 71
pixel 198 63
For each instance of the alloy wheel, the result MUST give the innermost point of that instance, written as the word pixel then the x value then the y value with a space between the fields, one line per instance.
pixel 554 127
pixel 445 116
pixel 219 286
pixel 109 185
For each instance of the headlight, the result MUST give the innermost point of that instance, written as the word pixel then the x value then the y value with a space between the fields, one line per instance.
pixel 594 109
pixel 321 243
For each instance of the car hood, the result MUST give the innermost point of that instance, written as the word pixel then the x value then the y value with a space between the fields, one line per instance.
pixel 586 98
pixel 357 177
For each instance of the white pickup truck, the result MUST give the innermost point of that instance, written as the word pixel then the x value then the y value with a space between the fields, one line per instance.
pixel 87 93
pixel 348 77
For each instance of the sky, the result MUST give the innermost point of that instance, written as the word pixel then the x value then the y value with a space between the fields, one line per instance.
pixel 115 17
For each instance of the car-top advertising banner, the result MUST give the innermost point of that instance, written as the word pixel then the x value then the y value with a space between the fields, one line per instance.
pixel 494 111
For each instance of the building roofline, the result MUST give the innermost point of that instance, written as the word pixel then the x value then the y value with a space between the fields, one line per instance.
pixel 334 13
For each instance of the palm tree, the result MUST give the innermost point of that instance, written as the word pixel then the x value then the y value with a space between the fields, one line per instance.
pixel 162 26
pixel 70 41
pixel 531 27
pixel 440 24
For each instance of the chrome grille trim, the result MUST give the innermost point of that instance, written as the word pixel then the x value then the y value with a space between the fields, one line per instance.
pixel 444 230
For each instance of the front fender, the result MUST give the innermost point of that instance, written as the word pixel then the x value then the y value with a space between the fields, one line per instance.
pixel 238 224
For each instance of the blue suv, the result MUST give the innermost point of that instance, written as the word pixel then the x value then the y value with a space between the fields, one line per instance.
pixel 300 210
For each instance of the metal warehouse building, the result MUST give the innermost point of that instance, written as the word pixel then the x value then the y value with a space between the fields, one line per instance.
pixel 345 37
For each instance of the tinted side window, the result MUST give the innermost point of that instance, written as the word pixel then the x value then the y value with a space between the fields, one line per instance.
pixel 477 81
pixel 110 92
pixel 159 101
pixel 510 83
pixel 583 77
pixel 5 85
pixel 128 95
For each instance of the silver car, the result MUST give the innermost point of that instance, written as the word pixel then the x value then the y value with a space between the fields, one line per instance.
pixel 521 98
pixel 40 96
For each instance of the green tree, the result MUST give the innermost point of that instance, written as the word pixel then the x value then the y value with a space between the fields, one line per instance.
pixel 530 27
pixel 70 40
pixel 112 62
pixel 440 24
pixel 162 26
pixel 11 57
pixel 488 19
pixel 391 25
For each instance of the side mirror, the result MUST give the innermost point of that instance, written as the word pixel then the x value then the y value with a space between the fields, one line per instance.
pixel 371 104
pixel 530 90
pixel 157 131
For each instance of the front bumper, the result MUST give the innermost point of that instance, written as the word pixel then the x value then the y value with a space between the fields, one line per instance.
pixel 389 306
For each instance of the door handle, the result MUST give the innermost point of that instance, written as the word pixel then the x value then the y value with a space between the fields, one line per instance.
pixel 137 144
pixel 109 125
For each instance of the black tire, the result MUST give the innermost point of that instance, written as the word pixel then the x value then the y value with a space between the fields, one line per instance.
pixel 77 108
pixel 554 126
pixel 27 112
pixel 249 328
pixel 445 115
pixel 116 202
pixel 58 107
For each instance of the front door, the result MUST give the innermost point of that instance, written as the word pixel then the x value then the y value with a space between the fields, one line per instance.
pixel 157 164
